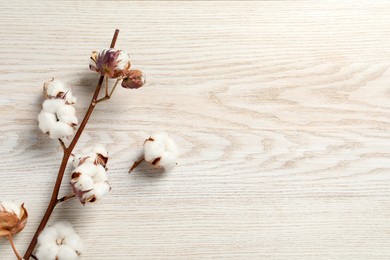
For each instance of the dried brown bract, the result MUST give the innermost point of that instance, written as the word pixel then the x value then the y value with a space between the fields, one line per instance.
pixel 13 218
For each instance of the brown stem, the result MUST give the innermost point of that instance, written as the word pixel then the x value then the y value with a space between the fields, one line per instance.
pixel 135 164
pixel 65 158
pixel 65 198
pixel 62 144
pixel 13 247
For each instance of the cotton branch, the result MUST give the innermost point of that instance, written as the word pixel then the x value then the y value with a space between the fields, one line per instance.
pixel 67 153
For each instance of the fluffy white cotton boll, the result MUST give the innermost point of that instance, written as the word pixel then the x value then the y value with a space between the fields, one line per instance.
pixel 168 160
pixel 64 228
pixel 90 157
pixel 76 161
pixel 60 117
pixel 54 87
pixel 74 241
pixel 67 114
pixel 90 169
pixel 84 183
pixel 48 251
pixel 170 146
pixel 49 234
pixel 88 197
pixel 10 206
pixel 90 188
pixel 97 154
pixel 53 105
pixel 46 121
pixel 57 89
pixel 67 253
pixel 153 149
pixel 85 156
pixel 87 168
pixel 100 149
pixel 160 150
pixel 59 242
pixel 101 174
pixel 101 189
pixel 70 99
pixel 60 130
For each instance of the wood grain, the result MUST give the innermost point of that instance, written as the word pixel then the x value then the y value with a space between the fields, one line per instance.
pixel 280 109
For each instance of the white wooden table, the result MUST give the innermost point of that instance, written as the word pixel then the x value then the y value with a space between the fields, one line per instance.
pixel 281 111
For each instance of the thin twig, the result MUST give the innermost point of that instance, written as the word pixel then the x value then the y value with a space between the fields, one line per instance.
pixel 62 144
pixel 65 198
pixel 109 95
pixel 113 88
pixel 13 247
pixel 135 164
pixel 65 158
pixel 106 86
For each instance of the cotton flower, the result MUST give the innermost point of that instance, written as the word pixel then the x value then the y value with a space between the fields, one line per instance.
pixel 160 150
pixel 13 218
pixel 110 63
pixel 133 79
pixel 58 115
pixel 89 178
pixel 59 242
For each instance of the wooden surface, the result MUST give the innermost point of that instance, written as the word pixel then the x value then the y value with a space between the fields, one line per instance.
pixel 281 111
